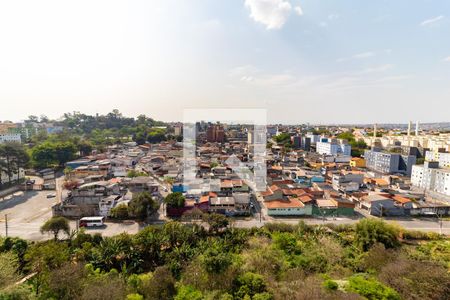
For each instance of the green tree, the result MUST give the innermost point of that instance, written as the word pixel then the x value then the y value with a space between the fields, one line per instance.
pixel 142 205
pixel 56 225
pixel 249 284
pixel 120 212
pixel 175 200
pixel 161 285
pixel 50 154
pixel 371 289
pixel 13 157
pixel 216 222
pixel 8 269
pixel 187 292
pixel 372 231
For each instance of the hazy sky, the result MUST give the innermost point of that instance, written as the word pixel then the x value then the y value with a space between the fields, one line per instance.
pixel 318 61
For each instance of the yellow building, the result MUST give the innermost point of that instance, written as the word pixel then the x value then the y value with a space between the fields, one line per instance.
pixel 357 162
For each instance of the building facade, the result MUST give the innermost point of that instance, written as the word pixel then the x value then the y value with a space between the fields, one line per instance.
pixel 389 163
pixel 215 133
pixel 333 147
pixel 431 177
pixel 10 137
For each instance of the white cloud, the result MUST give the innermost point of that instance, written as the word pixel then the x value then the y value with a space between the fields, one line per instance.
pixel 272 13
pixel 447 59
pixel 299 10
pixel 364 55
pixel 332 17
pixel 381 68
pixel 431 21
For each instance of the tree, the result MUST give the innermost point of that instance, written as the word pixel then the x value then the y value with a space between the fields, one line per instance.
pixel 175 200
pixel 85 148
pixel 249 284
pixel 55 225
pixel 50 154
pixel 414 279
pixel 120 212
pixel 13 157
pixel 161 285
pixel 216 222
pixel 142 205
pixel 8 269
pixel 216 261
pixel 371 231
pixel 187 292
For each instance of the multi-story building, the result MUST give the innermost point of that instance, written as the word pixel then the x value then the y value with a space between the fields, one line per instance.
pixel 10 137
pixel 333 147
pixel 389 163
pixel 301 142
pixel 215 133
pixel 430 176
pixel 442 157
pixel 314 138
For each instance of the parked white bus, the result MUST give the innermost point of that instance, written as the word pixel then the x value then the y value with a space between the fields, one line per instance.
pixel 92 222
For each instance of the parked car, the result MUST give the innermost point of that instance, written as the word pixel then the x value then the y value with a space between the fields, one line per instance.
pixel 52 195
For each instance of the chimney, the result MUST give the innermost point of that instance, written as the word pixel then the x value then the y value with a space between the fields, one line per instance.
pixel 374 130
pixel 409 128
pixel 417 128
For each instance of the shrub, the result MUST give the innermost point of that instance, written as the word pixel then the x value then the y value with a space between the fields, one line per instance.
pixel 330 285
pixel 372 231
pixel 187 292
pixel 120 212
pixel 371 288
pixel 416 279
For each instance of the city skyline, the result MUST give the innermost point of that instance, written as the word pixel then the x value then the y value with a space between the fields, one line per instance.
pixel 303 61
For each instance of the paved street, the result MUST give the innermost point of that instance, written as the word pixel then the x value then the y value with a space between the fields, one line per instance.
pixel 28 212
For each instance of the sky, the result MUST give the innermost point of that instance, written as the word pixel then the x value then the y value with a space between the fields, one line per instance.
pixel 317 61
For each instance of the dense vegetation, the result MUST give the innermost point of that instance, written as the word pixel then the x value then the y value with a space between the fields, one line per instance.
pixel 371 260
pixel 83 133
pixel 13 156
pixel 358 146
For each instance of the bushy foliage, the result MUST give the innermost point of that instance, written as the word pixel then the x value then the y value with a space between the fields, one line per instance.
pixel 175 200
pixel 142 205
pixel 176 261
pixel 56 225
pixel 371 289
pixel 371 231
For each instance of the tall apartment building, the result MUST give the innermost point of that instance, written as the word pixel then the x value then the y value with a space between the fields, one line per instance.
pixel 301 142
pixel 333 147
pixel 442 157
pixel 431 177
pixel 215 133
pixel 389 163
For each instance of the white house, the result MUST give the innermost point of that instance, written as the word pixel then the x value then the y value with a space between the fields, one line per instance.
pixel 10 137
pixel 333 147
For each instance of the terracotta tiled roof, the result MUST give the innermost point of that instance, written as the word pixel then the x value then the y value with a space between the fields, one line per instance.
pixel 290 203
pixel 401 199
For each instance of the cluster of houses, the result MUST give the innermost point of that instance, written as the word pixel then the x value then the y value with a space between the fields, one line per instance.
pixel 96 184
pixel 316 176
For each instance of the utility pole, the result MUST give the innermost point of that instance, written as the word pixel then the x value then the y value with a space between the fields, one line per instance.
pixel 6 225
